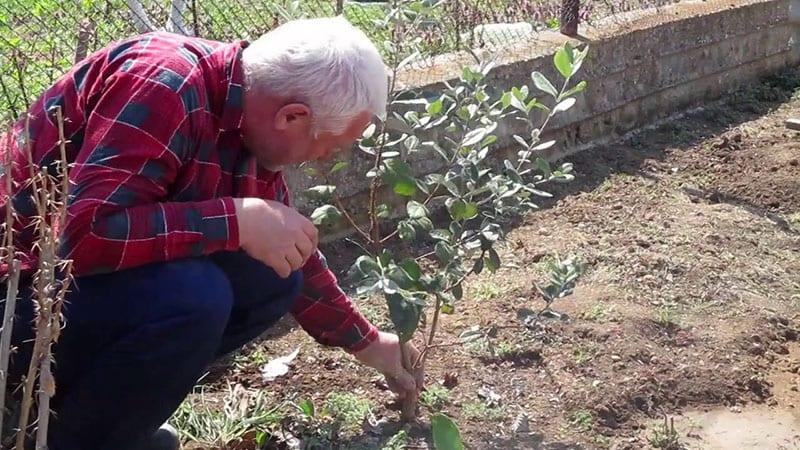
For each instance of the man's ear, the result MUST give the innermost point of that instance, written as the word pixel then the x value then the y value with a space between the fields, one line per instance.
pixel 293 116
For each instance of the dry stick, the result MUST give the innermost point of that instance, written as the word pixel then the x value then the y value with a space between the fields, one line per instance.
pixel 12 287
pixel 49 303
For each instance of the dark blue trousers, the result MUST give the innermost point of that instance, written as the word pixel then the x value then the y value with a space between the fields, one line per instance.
pixel 136 342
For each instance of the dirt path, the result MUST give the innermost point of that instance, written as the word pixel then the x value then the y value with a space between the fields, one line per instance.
pixel 691 233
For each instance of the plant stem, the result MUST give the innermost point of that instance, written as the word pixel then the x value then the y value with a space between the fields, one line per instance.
pixel 339 204
pixel 8 326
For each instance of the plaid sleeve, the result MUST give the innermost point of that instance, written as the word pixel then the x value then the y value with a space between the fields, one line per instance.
pixel 135 141
pixel 323 309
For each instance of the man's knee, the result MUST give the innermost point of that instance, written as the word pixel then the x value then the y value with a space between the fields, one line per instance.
pixel 197 290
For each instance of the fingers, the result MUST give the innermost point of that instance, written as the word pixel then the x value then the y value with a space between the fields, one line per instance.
pixel 294 258
pixel 311 231
pixel 304 246
pixel 280 266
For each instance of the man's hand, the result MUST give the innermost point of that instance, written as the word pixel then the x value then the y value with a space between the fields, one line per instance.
pixel 384 356
pixel 275 234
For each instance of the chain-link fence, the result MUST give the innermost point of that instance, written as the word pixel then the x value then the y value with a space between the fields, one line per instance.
pixel 41 39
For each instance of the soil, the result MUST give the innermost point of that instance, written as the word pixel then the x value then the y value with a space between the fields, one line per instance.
pixel 689 306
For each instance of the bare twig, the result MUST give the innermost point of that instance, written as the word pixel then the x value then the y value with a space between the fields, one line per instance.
pixel 13 267
pixel 337 200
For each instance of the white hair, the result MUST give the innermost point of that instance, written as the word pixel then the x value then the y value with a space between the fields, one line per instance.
pixel 325 63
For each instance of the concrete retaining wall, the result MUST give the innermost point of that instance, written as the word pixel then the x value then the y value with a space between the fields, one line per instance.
pixel 642 67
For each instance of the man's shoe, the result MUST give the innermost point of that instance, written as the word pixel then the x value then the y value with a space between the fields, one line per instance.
pixel 165 438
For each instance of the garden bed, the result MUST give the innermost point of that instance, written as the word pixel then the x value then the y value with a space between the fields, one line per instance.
pixel 691 235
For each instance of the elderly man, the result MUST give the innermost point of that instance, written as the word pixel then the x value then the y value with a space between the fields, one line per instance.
pixel 184 243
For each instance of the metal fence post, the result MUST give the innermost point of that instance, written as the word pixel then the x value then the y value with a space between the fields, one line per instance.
pixel 569 17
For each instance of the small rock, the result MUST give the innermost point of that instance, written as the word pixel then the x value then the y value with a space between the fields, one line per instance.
pixel 780 349
pixel 736 409
pixel 756 349
pixel 596 383
pixel 615 358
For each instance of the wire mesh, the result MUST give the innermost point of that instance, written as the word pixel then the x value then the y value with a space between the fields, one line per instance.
pixel 41 39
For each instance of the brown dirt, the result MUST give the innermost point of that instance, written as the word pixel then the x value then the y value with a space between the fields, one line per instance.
pixel 690 300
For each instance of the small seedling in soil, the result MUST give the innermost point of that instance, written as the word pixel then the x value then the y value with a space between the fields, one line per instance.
pixel 583 420
pixel 667 315
pixel 478 410
pixel 251 359
pixel 435 397
pixel 397 442
pixel 584 354
pixel 598 313
pixel 665 437
pixel 562 275
pixel 348 409
pixel 484 290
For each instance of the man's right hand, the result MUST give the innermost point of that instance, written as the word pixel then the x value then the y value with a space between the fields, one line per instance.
pixel 275 234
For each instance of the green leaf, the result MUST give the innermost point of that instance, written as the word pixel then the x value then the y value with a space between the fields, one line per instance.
pixel 493 261
pixel 441 235
pixel 543 84
pixel 366 265
pixel 474 136
pixel 416 210
pixel 406 231
pixel 406 188
pixel 307 407
pixel 544 145
pixel 444 252
pixel 580 87
pixel 339 166
pixel 505 100
pixel 325 214
pixel 322 191
pixel 423 223
pixel 447 308
pixel 478 266
pixel 435 107
pixel 543 166
pixel 412 268
pixel 446 435
pixel 563 61
pixel 461 210
pixel 382 211
pixel 458 291
pixel 404 315
pixel 564 105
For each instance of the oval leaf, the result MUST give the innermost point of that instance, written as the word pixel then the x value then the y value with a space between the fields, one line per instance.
pixel 543 84
pixel 446 435
pixel 563 61
pixel 325 214
pixel 416 210
pixel 564 105
pixel 404 315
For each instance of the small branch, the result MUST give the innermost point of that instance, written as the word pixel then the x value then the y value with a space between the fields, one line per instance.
pixel 8 326
pixel 337 200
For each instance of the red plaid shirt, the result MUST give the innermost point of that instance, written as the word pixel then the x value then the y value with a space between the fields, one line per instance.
pixel 153 124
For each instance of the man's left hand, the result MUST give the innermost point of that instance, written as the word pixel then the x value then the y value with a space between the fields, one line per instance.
pixel 384 356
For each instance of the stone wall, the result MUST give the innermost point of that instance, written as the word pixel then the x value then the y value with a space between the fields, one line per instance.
pixel 642 67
